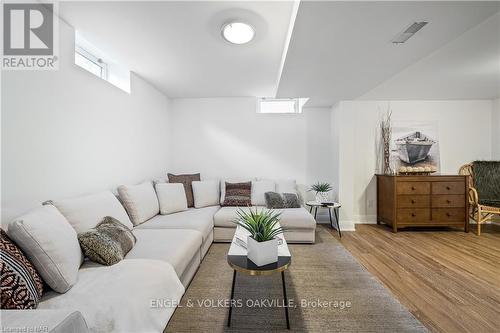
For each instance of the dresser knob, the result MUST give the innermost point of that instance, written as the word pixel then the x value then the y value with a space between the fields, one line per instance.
pixel 448 201
pixel 413 201
pixel 448 214
pixel 413 214
pixel 413 188
pixel 448 188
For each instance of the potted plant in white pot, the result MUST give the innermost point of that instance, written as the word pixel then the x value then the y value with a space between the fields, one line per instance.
pixel 263 226
pixel 322 191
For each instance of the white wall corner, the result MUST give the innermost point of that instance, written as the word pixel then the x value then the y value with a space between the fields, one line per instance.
pixel 495 130
pixel 365 219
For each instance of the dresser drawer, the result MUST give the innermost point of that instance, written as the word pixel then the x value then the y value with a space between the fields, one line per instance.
pixel 448 215
pixel 413 214
pixel 413 188
pixel 451 200
pixel 448 188
pixel 413 201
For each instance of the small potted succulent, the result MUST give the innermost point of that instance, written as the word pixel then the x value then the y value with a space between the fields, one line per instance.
pixel 322 191
pixel 263 226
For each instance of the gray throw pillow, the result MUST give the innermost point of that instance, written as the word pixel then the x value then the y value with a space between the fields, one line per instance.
pixel 284 200
pixel 108 242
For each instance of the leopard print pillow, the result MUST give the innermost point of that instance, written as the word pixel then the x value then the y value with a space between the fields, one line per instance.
pixel 108 242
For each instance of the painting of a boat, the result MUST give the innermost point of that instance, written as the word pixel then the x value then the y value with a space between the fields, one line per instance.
pixel 414 147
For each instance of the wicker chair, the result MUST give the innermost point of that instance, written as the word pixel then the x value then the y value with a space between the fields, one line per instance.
pixel 478 212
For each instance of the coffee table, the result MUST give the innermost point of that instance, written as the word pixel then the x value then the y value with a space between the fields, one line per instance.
pixel 237 259
pixel 314 205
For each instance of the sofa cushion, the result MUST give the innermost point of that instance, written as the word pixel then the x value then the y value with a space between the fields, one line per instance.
pixel 226 216
pixel 21 285
pixel 200 219
pixel 140 201
pixel 206 193
pixel 122 297
pixel 172 198
pixel 185 180
pixel 108 242
pixel 83 213
pixel 175 246
pixel 238 194
pixel 259 188
pixel 291 218
pixel 51 244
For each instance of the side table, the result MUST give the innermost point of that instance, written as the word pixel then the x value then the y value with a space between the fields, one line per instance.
pixel 335 206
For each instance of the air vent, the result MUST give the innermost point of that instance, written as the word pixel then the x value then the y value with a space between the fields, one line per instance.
pixel 410 31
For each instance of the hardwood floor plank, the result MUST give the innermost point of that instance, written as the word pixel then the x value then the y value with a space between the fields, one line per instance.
pixel 450 280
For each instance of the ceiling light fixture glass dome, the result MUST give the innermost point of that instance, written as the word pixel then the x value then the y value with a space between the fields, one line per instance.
pixel 238 32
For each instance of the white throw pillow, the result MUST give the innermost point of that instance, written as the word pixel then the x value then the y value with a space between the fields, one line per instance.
pixel 286 186
pixel 172 198
pixel 140 201
pixel 51 244
pixel 84 213
pixel 231 180
pixel 259 188
pixel 205 193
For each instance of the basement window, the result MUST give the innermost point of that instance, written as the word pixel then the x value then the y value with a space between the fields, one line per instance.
pixel 90 62
pixel 93 60
pixel 280 105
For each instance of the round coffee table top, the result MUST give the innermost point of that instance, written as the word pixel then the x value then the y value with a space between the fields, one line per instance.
pixel 244 265
pixel 331 204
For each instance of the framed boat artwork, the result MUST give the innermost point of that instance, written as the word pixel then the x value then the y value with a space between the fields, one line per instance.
pixel 415 148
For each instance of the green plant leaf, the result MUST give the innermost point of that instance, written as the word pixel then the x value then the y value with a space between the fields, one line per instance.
pixel 262 225
pixel 321 187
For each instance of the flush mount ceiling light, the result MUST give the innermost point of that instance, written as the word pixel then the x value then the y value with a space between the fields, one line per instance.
pixel 238 32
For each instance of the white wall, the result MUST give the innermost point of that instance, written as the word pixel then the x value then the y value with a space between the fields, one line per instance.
pixel 225 137
pixel 67 132
pixel 495 130
pixel 462 136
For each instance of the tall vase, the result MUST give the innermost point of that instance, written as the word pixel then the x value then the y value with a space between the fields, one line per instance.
pixel 322 196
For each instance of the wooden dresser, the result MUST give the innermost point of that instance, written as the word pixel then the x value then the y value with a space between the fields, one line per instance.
pixel 421 201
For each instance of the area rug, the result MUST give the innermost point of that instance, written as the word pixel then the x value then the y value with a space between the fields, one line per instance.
pixel 329 290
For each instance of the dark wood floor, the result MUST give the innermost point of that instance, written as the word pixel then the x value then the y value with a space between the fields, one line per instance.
pixel 449 280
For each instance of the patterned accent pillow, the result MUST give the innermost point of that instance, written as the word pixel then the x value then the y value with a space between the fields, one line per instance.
pixel 108 242
pixel 238 194
pixel 185 180
pixel 284 200
pixel 21 285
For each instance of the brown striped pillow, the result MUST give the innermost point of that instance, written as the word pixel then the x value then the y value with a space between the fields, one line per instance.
pixel 22 286
pixel 238 194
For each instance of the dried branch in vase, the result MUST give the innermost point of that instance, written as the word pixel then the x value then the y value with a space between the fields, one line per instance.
pixel 386 131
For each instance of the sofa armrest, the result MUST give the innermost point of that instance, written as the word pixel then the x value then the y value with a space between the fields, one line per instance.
pixel 54 321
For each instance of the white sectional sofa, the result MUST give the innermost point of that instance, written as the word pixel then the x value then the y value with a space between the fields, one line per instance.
pixel 168 251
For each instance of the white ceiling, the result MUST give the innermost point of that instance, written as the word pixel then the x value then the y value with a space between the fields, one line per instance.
pixel 177 46
pixel 342 50
pixel 466 68
pixel 337 51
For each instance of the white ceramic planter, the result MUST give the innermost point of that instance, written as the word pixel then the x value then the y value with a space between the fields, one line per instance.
pixel 322 197
pixel 262 253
